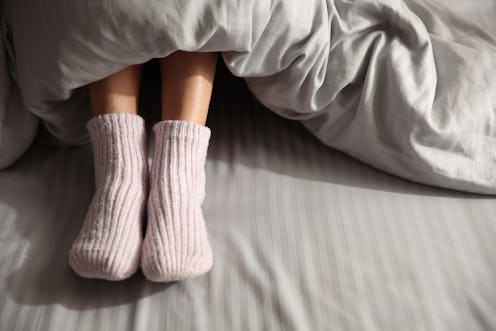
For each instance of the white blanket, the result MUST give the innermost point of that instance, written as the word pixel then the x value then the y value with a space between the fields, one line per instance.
pixel 408 87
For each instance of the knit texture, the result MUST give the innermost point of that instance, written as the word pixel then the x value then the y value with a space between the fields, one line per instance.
pixel 108 245
pixel 176 245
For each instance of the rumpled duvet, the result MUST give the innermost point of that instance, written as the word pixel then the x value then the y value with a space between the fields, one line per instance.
pixel 408 87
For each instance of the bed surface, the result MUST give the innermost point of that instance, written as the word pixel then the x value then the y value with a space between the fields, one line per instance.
pixel 304 238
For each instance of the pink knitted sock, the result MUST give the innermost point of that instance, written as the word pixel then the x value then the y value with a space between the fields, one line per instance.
pixel 176 245
pixel 108 245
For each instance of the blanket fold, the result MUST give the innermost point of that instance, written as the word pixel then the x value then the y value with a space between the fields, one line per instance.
pixel 408 87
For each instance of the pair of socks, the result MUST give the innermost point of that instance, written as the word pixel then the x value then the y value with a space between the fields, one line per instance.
pixel 111 243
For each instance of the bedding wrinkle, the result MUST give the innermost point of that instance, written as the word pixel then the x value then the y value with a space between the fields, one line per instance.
pixel 297 60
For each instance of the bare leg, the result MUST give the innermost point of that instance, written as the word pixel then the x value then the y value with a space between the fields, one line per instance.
pixel 187 80
pixel 176 245
pixel 117 93
pixel 109 243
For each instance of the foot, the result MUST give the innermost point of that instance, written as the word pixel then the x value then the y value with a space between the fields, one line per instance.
pixel 176 245
pixel 109 243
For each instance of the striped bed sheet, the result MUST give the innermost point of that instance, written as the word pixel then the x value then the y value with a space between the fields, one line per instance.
pixel 304 238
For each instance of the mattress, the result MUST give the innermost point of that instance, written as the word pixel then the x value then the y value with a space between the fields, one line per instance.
pixel 304 238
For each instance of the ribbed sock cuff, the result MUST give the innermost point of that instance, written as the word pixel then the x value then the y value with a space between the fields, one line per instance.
pixel 119 142
pixel 182 129
pixel 112 124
